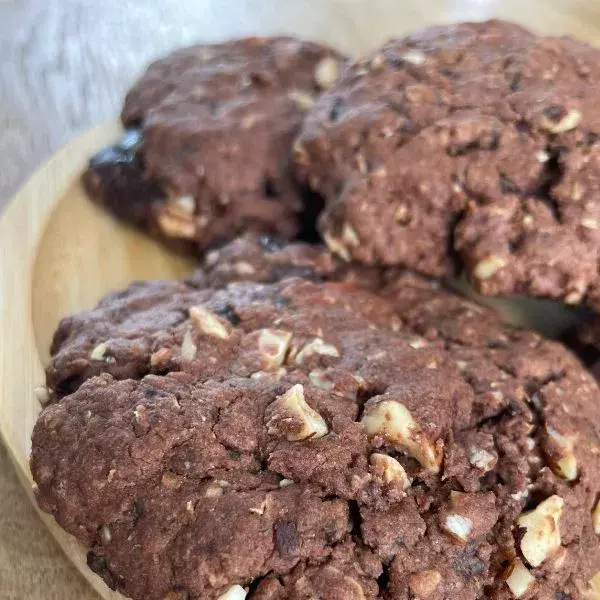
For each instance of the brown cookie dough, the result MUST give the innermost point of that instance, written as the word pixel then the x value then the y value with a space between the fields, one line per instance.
pixel 206 152
pixel 302 439
pixel 473 144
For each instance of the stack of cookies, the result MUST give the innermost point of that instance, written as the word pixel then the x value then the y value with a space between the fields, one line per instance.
pixel 314 414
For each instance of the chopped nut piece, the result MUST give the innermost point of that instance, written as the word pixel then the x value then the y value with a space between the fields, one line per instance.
pixel 176 226
pixel 273 345
pixel 106 535
pixel 42 394
pixel 596 518
pixel 235 592
pixel 208 323
pixel 590 223
pixel 318 379
pixel 481 459
pixel 518 578
pixel 402 215
pixel 259 510
pixel 244 268
pixel 391 420
pixel 185 204
pixel 269 375
pixel 388 470
pixel 303 100
pixel 567 122
pixel 418 343
pixel 316 346
pixel 99 351
pixel 327 72
pixel 560 454
pixel 488 266
pixel 424 583
pixel 336 246
pixel 188 347
pixel 542 535
pixel 414 57
pixel 377 62
pixel 160 357
pixel 458 526
pixel 292 417
pixel 542 156
pixel 349 236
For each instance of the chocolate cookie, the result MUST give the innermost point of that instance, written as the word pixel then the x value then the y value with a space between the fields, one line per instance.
pixel 298 439
pixel 206 152
pixel 473 144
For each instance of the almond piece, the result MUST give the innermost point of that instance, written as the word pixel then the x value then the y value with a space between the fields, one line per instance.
pixel 208 322
pixel 292 417
pixel 235 592
pixel 562 460
pixel 542 535
pixel 273 345
pixel 518 578
pixel 316 346
pixel 388 470
pixel 392 421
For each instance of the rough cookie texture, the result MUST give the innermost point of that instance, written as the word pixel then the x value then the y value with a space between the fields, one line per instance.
pixel 310 440
pixel 477 141
pixel 206 153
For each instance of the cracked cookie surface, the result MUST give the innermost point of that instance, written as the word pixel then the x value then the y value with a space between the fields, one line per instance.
pixel 206 153
pixel 475 141
pixel 301 439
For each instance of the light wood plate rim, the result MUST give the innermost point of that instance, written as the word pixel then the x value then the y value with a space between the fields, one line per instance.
pixel 22 227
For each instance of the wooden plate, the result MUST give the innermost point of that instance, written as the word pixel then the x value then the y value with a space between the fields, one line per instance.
pixel 59 254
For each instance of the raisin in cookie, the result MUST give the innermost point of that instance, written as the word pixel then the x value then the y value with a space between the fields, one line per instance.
pixel 302 439
pixel 206 152
pixel 476 141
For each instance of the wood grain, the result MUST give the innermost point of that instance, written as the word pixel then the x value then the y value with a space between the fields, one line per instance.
pixel 64 66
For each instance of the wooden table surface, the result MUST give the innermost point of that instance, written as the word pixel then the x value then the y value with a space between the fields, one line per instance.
pixel 64 66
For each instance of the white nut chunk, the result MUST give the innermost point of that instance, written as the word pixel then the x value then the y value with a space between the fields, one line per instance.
pixel 235 592
pixel 291 416
pixel 208 322
pixel 485 268
pixel 392 421
pixel 560 452
pixel 388 470
pixel 518 578
pixel 176 225
pixel 482 459
pixel 99 351
pixel 327 72
pixel 542 535
pixel 414 57
pixel 424 583
pixel 596 518
pixel 336 246
pixel 303 100
pixel 570 120
pixel 273 345
pixel 458 526
pixel 316 346
pixel 188 347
